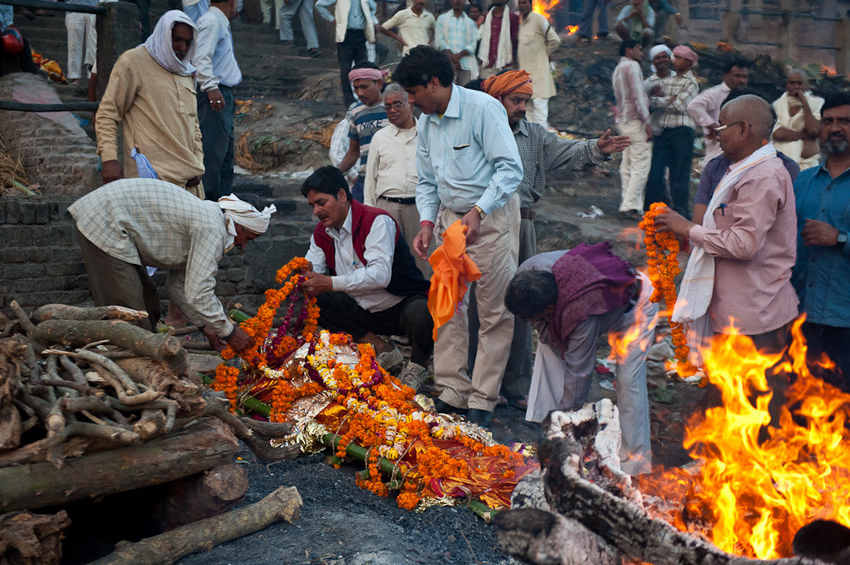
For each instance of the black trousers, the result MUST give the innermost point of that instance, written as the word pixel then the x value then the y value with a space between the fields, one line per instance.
pixel 351 50
pixel 144 7
pixel 341 313
pixel 217 133
pixel 834 342
pixel 672 149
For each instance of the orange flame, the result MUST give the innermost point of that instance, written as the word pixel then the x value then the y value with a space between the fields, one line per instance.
pixel 545 7
pixel 828 71
pixel 758 483
pixel 571 30
pixel 621 342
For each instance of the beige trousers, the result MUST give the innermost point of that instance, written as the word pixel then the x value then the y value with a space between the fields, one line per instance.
pixel 537 111
pixel 634 168
pixel 408 221
pixel 495 253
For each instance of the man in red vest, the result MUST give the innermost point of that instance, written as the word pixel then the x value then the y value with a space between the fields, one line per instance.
pixel 363 274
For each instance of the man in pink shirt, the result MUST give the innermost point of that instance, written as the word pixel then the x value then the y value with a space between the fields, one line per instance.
pixel 705 107
pixel 740 267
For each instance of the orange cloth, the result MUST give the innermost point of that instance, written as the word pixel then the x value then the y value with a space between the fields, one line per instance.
pixel 453 271
pixel 511 82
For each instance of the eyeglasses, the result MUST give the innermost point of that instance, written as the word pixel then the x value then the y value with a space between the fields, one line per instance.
pixel 843 122
pixel 720 128
pixel 394 105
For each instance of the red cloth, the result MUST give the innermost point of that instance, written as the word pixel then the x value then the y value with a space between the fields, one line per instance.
pixel 362 217
pixel 591 281
pixel 495 28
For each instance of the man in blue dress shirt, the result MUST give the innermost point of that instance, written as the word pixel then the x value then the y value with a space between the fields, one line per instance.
pixel 823 252
pixel 469 170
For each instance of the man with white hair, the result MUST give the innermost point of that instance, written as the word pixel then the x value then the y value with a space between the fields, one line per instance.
pixel 151 96
pixel 391 177
pixel 798 121
pixel 125 225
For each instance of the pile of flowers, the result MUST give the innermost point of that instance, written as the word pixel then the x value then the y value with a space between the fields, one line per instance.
pixel 662 251
pixel 330 387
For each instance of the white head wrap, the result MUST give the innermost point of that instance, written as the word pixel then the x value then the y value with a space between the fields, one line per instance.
pixel 238 211
pixel 196 8
pixel 660 48
pixel 159 43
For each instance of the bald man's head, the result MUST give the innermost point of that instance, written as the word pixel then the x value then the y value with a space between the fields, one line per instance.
pixel 752 109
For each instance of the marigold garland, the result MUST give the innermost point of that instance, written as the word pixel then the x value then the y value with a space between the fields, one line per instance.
pixel 662 251
pixel 369 407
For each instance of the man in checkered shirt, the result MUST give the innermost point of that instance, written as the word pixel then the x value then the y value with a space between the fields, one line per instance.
pixel 130 223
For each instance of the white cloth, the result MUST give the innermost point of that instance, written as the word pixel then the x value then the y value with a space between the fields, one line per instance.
pixel 635 165
pixel 81 29
pixel 214 57
pixel 536 40
pixel 240 212
pixel 196 8
pixel 784 119
pixel 391 167
pixel 537 111
pixel 698 281
pixel 505 50
pixel 660 48
pixel 159 43
pixel 367 284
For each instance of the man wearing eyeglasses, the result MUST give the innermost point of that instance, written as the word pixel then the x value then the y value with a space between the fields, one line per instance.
pixel 739 270
pixel 823 253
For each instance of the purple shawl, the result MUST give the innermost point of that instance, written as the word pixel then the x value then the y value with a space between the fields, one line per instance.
pixel 591 281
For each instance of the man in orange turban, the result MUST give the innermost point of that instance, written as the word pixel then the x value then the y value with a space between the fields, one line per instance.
pixel 542 152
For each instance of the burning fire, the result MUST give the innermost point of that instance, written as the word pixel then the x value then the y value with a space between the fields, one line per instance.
pixel 545 7
pixel 571 30
pixel 828 71
pixel 758 484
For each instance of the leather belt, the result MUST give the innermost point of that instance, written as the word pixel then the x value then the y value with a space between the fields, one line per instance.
pixel 527 213
pixel 411 200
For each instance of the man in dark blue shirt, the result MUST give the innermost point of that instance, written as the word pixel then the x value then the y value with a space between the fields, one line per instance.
pixel 822 271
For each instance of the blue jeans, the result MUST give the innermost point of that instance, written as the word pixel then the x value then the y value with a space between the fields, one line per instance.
pixel 586 27
pixel 217 133
pixel 672 149
pixel 357 189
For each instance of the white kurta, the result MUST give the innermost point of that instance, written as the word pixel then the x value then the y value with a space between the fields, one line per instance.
pixel 537 39
pixel 784 119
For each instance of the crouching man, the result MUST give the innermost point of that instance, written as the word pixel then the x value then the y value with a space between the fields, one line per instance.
pixel 572 298
pixel 129 223
pixel 372 285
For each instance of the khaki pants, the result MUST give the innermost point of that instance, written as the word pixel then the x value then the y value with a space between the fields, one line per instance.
pixel 408 221
pixel 495 253
pixel 634 168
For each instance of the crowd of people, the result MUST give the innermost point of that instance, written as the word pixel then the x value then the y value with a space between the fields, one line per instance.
pixel 768 231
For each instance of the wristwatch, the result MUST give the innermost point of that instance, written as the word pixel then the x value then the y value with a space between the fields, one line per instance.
pixel 842 238
pixel 482 214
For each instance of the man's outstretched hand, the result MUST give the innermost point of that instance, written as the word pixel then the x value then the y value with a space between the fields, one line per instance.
pixel 315 284
pixel 608 143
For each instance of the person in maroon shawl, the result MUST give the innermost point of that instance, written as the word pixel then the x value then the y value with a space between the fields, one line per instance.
pixel 572 298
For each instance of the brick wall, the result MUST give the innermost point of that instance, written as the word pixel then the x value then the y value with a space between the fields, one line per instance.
pixel 41 264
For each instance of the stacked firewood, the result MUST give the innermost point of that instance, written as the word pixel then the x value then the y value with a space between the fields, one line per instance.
pixel 78 380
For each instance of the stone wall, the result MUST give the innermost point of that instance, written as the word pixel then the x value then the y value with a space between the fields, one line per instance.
pixel 41 264
pixel 56 152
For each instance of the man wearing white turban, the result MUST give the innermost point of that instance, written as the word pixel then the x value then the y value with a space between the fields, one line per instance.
pixel 130 223
pixel 151 93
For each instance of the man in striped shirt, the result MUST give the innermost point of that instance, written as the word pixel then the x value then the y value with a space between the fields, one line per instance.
pixel 365 118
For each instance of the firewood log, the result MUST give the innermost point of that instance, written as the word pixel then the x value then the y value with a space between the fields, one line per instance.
pixel 65 312
pixel 200 496
pixel 282 504
pixel 32 538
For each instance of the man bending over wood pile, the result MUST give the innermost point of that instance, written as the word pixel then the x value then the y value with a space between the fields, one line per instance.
pixel 572 298
pixel 374 285
pixel 130 223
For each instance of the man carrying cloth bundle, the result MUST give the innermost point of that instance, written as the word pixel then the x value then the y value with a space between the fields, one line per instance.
pixel 130 223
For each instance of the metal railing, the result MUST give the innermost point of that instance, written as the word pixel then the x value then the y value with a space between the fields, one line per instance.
pixel 11 105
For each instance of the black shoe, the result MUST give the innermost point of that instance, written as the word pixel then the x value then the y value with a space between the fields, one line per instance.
pixel 480 417
pixel 446 408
